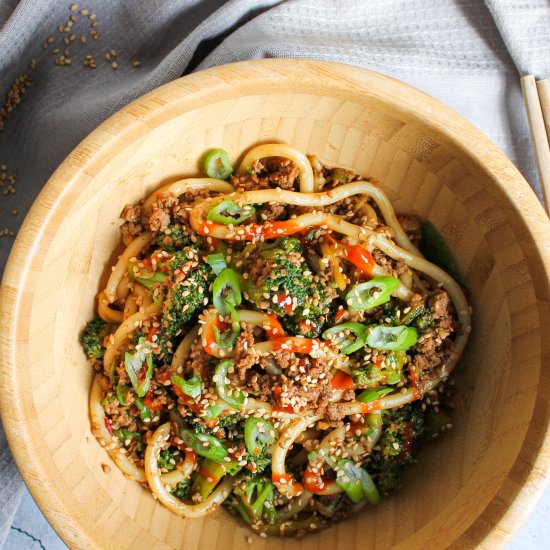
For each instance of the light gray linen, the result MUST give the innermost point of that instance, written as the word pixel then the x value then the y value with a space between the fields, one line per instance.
pixel 467 53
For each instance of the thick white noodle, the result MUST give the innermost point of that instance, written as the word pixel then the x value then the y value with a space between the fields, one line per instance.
pixel 188 184
pixel 280 450
pixel 307 184
pixel 121 268
pixel 156 445
pixel 182 471
pixel 123 331
pixel 111 444
pixel 105 312
pixel 183 350
pixel 331 196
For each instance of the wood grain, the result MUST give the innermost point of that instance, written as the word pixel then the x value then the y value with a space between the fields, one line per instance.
pixel 474 487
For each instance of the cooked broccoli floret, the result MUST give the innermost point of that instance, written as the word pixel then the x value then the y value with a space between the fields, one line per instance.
pixel 93 336
pixel 182 489
pixel 161 355
pixel 420 317
pixel 229 421
pixel 424 321
pixel 388 477
pixel 309 319
pixel 282 276
pixel 388 372
pixel 390 313
pixel 262 460
pixel 173 238
pixel 402 428
pixel 166 460
pixel 186 296
pixel 287 284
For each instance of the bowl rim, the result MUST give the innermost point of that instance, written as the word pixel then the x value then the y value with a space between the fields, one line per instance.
pixel 531 469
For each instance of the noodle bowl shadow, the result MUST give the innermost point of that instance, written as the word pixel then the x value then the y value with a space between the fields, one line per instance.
pixel 474 486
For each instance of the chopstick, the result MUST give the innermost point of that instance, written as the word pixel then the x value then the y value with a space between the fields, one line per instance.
pixel 543 88
pixel 537 103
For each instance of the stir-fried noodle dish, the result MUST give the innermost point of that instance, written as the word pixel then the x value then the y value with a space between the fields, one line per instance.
pixel 274 340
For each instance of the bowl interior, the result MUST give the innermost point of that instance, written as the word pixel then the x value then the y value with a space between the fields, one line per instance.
pixel 352 119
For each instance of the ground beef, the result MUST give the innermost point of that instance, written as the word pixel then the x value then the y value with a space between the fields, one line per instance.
pixel 393 267
pixel 120 417
pixel 199 361
pixel 442 310
pixel 132 226
pixel 243 359
pixel 160 216
pixel 304 384
pixel 269 173
pixel 333 412
pixel 271 212
pixel 122 374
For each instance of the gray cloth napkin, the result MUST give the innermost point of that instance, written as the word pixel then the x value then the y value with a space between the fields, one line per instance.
pixel 467 53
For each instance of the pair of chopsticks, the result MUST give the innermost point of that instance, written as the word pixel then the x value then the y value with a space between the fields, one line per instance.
pixel 536 96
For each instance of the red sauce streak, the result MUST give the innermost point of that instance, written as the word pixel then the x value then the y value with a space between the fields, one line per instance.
pixel 151 333
pixel 277 478
pixel 413 375
pixel 284 301
pixel 372 406
pixel 148 401
pixel 190 454
pixel 341 381
pixel 108 425
pixel 300 345
pixel 275 329
pixel 296 488
pixel 313 482
pixel 209 337
pixel 361 258
pixel 208 475
pixel 340 315
pixel 277 391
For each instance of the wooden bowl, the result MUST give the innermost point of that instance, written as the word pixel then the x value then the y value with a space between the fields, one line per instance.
pixel 474 486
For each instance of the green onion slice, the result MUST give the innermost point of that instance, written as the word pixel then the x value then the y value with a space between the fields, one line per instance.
pixel 144 411
pixel 372 293
pixel 356 482
pixel 233 397
pixel 204 445
pixel 147 278
pixel 349 337
pixel 134 362
pixel 122 394
pixel 217 165
pixel 372 394
pixel 393 338
pixel 216 262
pixel 191 387
pixel 228 212
pixel 212 412
pixel 257 434
pixel 226 292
